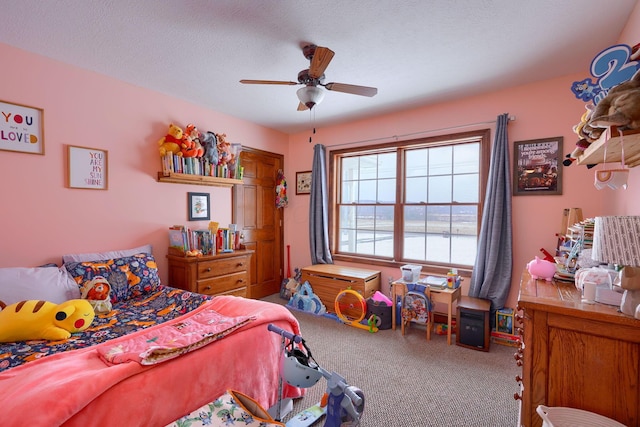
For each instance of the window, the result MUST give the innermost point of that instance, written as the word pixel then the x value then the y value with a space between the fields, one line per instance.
pixel 416 201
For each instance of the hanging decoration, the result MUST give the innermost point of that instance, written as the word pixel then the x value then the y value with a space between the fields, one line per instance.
pixel 281 190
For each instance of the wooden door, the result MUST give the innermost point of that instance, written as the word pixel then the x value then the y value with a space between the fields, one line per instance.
pixel 259 220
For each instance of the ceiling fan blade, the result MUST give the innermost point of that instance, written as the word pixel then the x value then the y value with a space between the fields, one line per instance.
pixel 302 107
pixel 353 89
pixel 267 82
pixel 320 61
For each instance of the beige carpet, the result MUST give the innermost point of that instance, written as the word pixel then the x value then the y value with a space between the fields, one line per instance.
pixel 409 381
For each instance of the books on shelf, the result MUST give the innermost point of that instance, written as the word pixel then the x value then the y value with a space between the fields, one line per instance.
pixel 211 241
pixel 172 163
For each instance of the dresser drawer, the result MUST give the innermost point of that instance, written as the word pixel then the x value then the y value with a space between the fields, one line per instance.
pixel 207 269
pixel 221 284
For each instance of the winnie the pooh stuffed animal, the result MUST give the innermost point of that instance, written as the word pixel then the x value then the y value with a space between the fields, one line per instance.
pixel 35 320
pixel 171 142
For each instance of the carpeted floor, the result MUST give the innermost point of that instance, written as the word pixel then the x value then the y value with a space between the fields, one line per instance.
pixel 409 381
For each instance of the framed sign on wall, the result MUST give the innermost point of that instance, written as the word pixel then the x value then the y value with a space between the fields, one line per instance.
pixel 536 168
pixel 21 128
pixel 303 182
pixel 87 168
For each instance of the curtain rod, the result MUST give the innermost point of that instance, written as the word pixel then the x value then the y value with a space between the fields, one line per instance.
pixel 396 137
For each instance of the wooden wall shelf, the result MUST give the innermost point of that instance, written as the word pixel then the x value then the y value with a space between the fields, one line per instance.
pixel 594 154
pixel 183 178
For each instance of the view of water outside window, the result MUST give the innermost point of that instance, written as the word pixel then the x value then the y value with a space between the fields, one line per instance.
pixel 440 206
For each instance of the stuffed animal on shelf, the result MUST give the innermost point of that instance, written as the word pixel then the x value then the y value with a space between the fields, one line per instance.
pixel 621 106
pixel 34 320
pixel 225 154
pixel 171 142
pixel 210 144
pixel 191 132
pixel 97 292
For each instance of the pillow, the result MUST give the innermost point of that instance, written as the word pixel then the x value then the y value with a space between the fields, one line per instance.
pixel 51 284
pixel 96 256
pixel 129 276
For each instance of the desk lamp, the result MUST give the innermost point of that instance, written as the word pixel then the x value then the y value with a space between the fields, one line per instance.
pixel 616 240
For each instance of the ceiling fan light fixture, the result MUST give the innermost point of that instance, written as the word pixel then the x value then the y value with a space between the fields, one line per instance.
pixel 310 95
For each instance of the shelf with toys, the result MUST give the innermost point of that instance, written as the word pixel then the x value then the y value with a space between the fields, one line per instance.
pixel 191 157
pixel 630 141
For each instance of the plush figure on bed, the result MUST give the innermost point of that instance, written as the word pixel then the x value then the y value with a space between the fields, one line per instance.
pixel 35 320
pixel 97 292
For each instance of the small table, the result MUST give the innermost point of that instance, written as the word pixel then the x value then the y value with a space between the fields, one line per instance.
pixel 445 295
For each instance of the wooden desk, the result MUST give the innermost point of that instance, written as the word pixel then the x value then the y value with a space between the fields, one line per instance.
pixel 447 296
pixel 578 355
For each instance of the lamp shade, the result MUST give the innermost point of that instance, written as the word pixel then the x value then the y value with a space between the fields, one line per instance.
pixel 310 95
pixel 616 240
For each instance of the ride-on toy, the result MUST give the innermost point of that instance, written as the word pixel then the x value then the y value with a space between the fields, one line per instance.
pixel 342 404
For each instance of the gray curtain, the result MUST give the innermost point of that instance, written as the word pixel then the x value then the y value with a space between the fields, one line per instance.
pixel 318 210
pixel 491 277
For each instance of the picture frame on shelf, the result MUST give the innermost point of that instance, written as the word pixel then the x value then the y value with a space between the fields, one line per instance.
pixel 303 182
pixel 199 206
pixel 87 168
pixel 22 128
pixel 536 167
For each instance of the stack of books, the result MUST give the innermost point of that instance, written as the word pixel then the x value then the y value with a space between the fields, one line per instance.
pixel 172 163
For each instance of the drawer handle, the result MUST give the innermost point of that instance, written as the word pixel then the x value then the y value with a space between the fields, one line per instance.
pixel 240 264
pixel 208 269
pixel 208 288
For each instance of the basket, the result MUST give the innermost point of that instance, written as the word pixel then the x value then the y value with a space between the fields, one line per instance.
pixel 569 417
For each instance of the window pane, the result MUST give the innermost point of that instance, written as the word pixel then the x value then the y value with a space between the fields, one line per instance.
pixel 466 158
pixel 387 165
pixel 367 193
pixel 387 191
pixel 416 190
pixel 384 218
pixel 416 162
pixel 440 189
pixel 465 188
pixel 347 216
pixel 384 244
pixel 368 167
pixel 464 229
pixel 350 168
pixel 349 191
pixel 415 218
pixel 440 160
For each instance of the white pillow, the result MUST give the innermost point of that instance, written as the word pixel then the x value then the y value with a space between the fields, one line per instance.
pixel 38 283
pixel 97 256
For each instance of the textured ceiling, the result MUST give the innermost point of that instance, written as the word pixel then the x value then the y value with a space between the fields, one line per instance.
pixel 416 52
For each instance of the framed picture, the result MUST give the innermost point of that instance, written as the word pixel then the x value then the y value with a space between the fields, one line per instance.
pixel 21 128
pixel 87 168
pixel 303 182
pixel 199 207
pixel 536 169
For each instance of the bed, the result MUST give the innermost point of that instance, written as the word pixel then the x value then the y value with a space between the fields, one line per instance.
pixel 77 382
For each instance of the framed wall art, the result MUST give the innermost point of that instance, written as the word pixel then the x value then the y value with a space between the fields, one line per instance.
pixel 87 168
pixel 21 128
pixel 536 169
pixel 303 182
pixel 199 207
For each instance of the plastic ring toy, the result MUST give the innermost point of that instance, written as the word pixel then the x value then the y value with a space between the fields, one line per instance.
pixel 356 319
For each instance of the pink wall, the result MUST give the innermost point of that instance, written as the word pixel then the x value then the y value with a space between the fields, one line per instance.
pixel 44 220
pixel 544 109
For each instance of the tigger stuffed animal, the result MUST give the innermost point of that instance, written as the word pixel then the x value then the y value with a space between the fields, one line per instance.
pixel 34 320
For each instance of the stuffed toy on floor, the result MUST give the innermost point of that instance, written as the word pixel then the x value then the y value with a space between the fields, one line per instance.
pixel 35 320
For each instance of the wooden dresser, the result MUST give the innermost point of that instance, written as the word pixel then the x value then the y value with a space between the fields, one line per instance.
pixel 328 280
pixel 584 356
pixel 222 274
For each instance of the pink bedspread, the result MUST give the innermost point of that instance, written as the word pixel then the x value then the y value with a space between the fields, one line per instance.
pixel 78 389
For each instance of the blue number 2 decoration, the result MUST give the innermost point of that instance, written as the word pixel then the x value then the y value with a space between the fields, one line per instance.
pixel 610 67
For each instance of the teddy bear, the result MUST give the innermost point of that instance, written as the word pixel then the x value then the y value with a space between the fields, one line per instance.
pixel 621 106
pixel 225 154
pixel 171 142
pixel 97 293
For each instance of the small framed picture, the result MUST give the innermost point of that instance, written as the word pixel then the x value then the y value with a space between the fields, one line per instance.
pixel 303 182
pixel 536 167
pixel 199 207
pixel 87 168
pixel 21 128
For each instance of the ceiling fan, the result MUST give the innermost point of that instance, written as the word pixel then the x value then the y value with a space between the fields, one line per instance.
pixel 313 77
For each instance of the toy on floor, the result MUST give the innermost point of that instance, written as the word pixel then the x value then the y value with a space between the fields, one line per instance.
pixel 342 404
pixel 306 300
pixel 351 309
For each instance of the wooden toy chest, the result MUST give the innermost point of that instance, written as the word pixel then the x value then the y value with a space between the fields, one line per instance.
pixel 327 280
